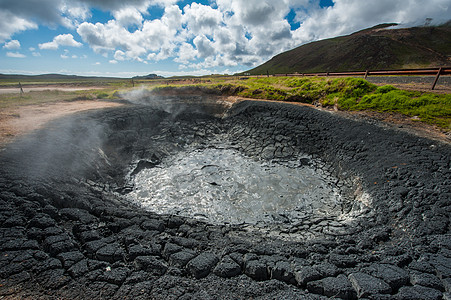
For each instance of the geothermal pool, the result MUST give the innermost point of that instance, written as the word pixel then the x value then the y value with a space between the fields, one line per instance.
pixel 223 186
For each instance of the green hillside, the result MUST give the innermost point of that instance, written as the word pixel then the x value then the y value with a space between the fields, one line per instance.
pixel 377 48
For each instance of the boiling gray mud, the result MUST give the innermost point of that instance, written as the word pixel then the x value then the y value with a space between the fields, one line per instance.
pixel 221 185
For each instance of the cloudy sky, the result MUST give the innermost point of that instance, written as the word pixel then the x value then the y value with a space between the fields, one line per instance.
pixel 124 38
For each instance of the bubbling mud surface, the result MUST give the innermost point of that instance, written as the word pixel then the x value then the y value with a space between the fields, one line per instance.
pixel 223 186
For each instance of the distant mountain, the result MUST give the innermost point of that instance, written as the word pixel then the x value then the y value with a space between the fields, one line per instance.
pixel 379 48
pixel 150 76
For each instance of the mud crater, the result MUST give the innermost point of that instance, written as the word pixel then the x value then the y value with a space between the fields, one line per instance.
pixel 198 164
pixel 144 200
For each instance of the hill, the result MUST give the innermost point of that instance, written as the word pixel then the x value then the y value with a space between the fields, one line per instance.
pixel 61 77
pixel 377 48
pixel 150 76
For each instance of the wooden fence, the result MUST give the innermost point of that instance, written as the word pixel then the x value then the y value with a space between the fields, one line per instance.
pixel 437 72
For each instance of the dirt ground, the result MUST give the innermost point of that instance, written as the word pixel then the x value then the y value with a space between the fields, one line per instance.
pixel 23 119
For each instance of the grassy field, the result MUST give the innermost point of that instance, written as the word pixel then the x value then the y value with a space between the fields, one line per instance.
pixel 49 96
pixel 351 94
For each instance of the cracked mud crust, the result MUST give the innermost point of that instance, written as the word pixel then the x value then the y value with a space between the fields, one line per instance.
pixel 68 232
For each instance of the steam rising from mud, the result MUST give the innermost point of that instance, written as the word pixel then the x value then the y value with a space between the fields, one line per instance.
pixel 67 148
pixel 173 105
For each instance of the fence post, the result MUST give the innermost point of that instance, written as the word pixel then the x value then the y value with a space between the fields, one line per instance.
pixel 436 78
pixel 366 74
pixel 21 89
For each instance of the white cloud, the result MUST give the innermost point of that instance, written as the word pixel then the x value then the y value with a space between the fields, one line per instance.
pixel 128 16
pixel 15 55
pixel 67 40
pixel 201 19
pixel 11 24
pixel 119 55
pixel 65 12
pixel 12 45
pixel 152 36
pixel 106 37
pixel 186 53
pixel 113 61
pixel 77 11
pixel 60 40
pixel 254 12
pixel 65 55
pixel 348 16
pixel 204 46
pixel 172 17
pixel 48 46
pixel 36 54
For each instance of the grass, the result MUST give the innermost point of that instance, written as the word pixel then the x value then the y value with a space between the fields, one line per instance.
pixel 429 108
pixel 51 96
pixel 13 81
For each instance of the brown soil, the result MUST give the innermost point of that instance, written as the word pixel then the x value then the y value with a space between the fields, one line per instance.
pixel 421 87
pixel 20 120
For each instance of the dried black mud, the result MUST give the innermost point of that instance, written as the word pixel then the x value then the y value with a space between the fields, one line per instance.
pixel 68 229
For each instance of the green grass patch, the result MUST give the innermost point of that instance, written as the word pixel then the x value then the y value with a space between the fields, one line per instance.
pixel 428 107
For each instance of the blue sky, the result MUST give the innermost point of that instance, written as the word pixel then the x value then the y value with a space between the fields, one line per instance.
pixel 169 37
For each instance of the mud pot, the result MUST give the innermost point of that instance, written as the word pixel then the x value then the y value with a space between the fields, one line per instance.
pixel 188 197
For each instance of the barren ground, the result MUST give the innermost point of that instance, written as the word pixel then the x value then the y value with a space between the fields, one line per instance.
pixel 24 119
